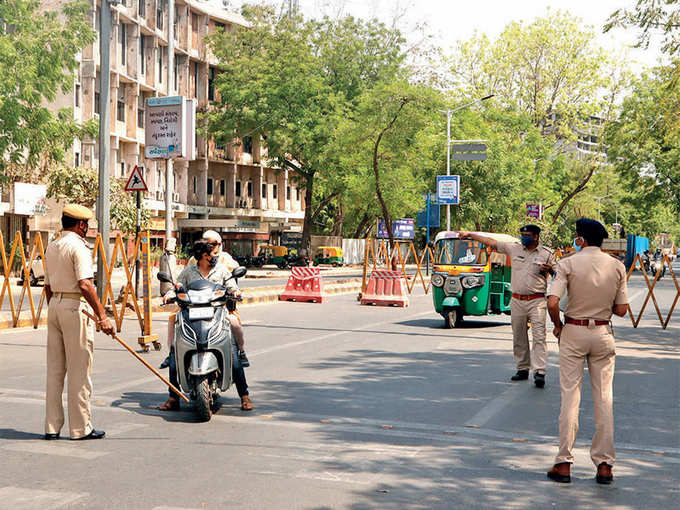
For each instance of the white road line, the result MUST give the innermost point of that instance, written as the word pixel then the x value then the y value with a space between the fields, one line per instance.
pixel 497 404
pixel 21 498
pixel 53 448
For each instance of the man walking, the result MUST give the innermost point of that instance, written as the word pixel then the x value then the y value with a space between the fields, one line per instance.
pixel 531 264
pixel 69 290
pixel 596 285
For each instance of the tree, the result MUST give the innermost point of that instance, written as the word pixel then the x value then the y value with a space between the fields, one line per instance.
pixel 38 50
pixel 290 81
pixel 81 185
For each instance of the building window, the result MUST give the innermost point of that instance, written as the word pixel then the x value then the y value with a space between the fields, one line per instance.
pixel 123 43
pixel 210 186
pixel 248 144
pixel 77 95
pixel 96 93
pixel 176 23
pixel 264 191
pixel 160 9
pixel 275 191
pixel 287 192
pixel 122 168
pixel 238 189
pixel 195 185
pixel 76 159
pixel 160 64
pixel 211 84
pixel 297 194
pixel 142 53
pixel 195 79
pixel 141 8
pixel 219 26
pixel 140 111
pixel 120 110
pixel 223 187
pixel 250 188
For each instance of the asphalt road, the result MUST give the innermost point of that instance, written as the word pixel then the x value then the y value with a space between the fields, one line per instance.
pixel 356 407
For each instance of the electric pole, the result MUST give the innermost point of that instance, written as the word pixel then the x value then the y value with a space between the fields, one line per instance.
pixel 171 82
pixel 104 192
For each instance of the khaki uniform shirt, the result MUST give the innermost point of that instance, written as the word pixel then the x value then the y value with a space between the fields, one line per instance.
pixel 595 282
pixel 526 277
pixel 67 261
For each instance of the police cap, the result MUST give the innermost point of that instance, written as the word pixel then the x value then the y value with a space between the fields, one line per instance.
pixel 77 212
pixel 530 229
pixel 592 231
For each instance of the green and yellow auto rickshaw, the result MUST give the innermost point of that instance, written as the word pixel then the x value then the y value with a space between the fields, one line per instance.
pixel 274 255
pixel 328 255
pixel 470 278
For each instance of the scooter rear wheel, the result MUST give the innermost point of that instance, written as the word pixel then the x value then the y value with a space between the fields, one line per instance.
pixel 203 400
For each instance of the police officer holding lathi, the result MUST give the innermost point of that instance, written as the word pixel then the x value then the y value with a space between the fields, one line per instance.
pixel 596 288
pixel 532 263
pixel 69 290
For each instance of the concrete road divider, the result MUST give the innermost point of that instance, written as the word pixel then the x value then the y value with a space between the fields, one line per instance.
pixel 386 288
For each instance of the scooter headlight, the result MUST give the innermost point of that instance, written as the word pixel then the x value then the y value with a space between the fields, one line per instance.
pixel 452 286
pixel 437 280
pixel 470 282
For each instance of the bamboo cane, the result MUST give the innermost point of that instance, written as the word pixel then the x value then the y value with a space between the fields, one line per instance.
pixel 146 364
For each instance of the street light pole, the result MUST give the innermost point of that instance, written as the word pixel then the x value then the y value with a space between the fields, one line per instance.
pixel 103 196
pixel 448 145
pixel 171 79
pixel 599 200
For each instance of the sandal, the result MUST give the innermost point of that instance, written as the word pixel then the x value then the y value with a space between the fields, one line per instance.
pixel 246 403
pixel 172 404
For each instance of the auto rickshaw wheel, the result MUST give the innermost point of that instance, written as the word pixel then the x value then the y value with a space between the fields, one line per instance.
pixel 452 318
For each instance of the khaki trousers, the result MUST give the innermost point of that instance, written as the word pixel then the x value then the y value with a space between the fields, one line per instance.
pixel 579 344
pixel 521 313
pixel 69 350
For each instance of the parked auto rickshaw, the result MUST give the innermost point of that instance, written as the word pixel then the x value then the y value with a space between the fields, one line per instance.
pixel 469 278
pixel 276 255
pixel 328 255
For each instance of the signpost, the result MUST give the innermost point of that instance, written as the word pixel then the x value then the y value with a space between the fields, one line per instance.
pixel 535 211
pixel 448 191
pixel 137 184
pixel 403 228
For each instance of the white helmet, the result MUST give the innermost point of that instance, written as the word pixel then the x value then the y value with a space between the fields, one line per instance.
pixel 171 244
pixel 211 235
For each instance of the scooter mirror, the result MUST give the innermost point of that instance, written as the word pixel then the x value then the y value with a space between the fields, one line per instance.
pixel 164 277
pixel 239 272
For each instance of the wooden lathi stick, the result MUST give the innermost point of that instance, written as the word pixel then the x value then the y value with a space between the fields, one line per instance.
pixel 146 364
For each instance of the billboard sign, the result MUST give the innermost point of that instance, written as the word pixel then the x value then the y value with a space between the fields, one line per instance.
pixel 448 189
pixel 164 127
pixel 534 211
pixel 30 199
pixel 404 228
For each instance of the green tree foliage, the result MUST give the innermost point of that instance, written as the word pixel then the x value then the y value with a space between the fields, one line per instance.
pixel 38 51
pixel 651 17
pixel 81 185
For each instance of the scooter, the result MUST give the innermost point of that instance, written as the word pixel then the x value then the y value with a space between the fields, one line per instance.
pixel 657 265
pixel 203 341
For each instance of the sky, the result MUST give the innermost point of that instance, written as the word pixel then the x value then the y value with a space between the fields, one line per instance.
pixel 453 20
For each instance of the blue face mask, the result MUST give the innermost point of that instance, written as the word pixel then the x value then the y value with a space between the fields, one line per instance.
pixel 527 240
pixel 576 246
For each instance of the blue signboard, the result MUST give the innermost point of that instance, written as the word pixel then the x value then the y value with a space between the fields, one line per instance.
pixel 404 228
pixel 448 189
pixel 435 217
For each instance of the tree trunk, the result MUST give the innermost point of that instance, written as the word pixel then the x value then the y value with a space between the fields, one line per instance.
pixel 307 226
pixel 361 227
pixel 578 189
pixel 339 221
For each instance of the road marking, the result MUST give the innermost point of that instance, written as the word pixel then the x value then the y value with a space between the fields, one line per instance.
pixel 53 448
pixel 497 404
pixel 20 498
pixel 329 335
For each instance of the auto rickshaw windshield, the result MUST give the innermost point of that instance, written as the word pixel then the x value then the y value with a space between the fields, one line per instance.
pixel 464 252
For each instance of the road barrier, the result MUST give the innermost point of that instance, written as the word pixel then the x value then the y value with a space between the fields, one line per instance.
pixel 119 256
pixel 385 288
pixel 304 285
pixel 650 294
pixel 378 256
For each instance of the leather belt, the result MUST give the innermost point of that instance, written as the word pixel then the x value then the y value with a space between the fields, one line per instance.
pixel 69 295
pixel 584 322
pixel 527 297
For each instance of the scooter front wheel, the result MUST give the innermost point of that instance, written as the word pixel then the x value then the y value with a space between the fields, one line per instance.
pixel 203 399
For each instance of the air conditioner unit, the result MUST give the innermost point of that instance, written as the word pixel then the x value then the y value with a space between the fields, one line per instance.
pixel 160 195
pixel 175 197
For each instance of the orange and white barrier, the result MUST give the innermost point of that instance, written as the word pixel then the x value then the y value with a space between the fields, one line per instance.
pixel 304 285
pixel 386 288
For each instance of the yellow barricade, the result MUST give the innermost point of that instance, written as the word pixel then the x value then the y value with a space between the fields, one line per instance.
pixel 650 294
pixel 119 254
pixel 384 258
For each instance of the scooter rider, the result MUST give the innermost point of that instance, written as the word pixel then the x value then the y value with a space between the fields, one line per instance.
pixel 207 268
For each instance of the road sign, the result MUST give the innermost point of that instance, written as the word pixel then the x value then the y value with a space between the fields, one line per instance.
pixel 534 211
pixel 136 181
pixel 469 156
pixel 403 228
pixel 469 147
pixel 435 217
pixel 448 189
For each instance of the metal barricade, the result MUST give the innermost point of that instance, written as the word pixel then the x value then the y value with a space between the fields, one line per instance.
pixel 650 291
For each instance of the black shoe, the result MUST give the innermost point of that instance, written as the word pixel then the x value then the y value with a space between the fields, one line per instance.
pixel 521 375
pixel 243 359
pixel 51 437
pixel 539 380
pixel 166 363
pixel 604 474
pixel 95 434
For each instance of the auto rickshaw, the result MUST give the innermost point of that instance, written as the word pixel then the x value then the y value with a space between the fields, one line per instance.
pixel 328 255
pixel 470 278
pixel 276 255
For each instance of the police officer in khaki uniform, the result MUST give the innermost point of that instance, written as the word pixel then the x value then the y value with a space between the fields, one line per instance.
pixel 531 264
pixel 69 289
pixel 596 286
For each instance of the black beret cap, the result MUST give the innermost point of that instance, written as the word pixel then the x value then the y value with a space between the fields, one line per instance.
pixel 591 229
pixel 532 229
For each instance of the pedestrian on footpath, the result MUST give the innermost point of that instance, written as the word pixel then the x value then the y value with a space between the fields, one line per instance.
pixel 532 263
pixel 168 264
pixel 69 290
pixel 596 284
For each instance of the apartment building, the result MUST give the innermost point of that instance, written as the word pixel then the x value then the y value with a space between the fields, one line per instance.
pixel 227 188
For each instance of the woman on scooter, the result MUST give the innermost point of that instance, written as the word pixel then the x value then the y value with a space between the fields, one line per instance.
pixel 207 268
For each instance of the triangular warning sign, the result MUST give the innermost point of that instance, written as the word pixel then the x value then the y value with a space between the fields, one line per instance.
pixel 136 181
